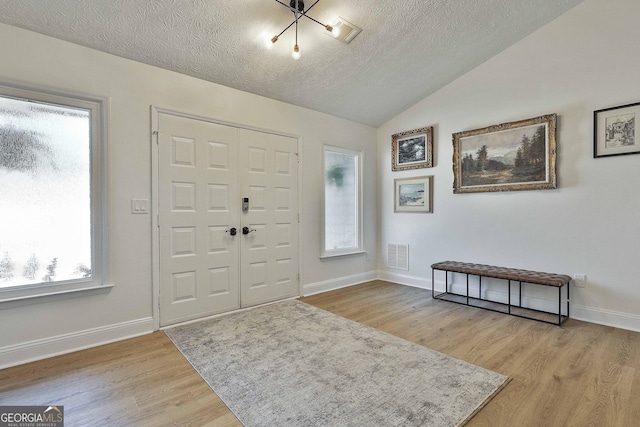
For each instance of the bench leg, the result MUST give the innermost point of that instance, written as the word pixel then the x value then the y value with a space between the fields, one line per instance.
pixel 520 295
pixel 509 296
pixel 446 281
pixel 567 285
pixel 560 305
pixel 433 284
pixel 467 288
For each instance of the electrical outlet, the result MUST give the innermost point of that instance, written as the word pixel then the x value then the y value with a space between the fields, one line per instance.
pixel 580 280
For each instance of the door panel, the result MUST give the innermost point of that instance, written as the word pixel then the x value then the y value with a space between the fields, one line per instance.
pixel 268 167
pixel 198 204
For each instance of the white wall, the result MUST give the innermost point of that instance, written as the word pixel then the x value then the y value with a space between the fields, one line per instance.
pixel 585 60
pixel 38 330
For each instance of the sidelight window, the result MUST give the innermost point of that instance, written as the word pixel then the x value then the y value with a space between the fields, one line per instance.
pixel 342 202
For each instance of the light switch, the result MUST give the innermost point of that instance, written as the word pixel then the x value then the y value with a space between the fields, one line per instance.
pixel 139 206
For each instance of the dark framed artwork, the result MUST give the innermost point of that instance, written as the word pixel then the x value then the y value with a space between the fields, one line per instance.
pixel 413 194
pixel 511 156
pixel 412 149
pixel 614 131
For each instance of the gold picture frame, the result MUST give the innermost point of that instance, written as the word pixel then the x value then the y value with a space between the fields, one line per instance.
pixel 511 156
pixel 412 149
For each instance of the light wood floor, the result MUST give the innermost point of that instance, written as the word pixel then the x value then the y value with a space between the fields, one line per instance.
pixel 578 375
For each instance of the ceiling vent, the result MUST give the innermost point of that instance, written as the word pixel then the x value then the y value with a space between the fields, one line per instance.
pixel 348 31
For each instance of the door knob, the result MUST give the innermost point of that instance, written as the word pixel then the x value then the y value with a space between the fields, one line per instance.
pixel 232 231
pixel 246 230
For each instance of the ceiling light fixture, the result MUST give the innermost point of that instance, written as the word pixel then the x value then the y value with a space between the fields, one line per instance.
pixel 297 7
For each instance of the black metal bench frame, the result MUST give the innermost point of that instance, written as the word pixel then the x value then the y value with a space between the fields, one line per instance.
pixel 443 296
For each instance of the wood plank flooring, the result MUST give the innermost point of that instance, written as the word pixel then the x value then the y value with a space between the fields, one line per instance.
pixel 578 375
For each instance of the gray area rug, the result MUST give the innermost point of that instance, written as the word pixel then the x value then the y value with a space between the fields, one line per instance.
pixel 291 364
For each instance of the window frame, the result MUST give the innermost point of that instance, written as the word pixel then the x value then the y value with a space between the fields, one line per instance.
pixel 99 113
pixel 359 248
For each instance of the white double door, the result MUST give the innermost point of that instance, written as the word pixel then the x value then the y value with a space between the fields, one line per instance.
pixel 215 255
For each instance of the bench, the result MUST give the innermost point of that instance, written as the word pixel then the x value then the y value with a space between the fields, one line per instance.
pixel 558 281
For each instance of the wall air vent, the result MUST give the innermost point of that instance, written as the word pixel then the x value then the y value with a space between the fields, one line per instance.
pixel 398 256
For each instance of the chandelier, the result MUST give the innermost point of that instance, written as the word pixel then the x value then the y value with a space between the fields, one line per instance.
pixel 297 7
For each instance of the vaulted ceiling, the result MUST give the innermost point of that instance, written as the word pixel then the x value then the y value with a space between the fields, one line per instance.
pixel 406 51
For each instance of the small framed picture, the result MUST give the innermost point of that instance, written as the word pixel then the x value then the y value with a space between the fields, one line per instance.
pixel 414 194
pixel 412 149
pixel 614 131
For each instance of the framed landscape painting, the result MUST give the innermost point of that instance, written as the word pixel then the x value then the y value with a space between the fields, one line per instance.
pixel 413 194
pixel 614 131
pixel 508 157
pixel 412 149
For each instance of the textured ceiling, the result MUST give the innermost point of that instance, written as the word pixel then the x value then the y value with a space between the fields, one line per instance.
pixel 406 51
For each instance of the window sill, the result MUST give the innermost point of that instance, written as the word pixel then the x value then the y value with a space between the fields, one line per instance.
pixel 52 296
pixel 342 254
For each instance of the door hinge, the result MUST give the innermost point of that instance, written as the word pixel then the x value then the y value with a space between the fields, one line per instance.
pixel 158 220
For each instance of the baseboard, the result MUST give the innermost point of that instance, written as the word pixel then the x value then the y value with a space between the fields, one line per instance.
pixel 600 316
pixel 341 282
pixel 404 279
pixel 53 346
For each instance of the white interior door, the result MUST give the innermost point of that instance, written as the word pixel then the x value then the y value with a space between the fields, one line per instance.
pixel 198 194
pixel 269 179
pixel 205 171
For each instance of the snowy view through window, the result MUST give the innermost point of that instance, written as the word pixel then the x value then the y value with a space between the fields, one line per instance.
pixel 45 201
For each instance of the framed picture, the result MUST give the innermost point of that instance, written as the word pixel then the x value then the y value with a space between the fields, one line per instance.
pixel 413 194
pixel 508 157
pixel 614 131
pixel 412 149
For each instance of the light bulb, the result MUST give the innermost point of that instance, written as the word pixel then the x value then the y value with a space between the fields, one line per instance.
pixel 296 52
pixel 269 42
pixel 335 31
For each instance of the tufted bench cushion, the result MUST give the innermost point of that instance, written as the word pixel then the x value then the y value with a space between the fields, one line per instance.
pixel 549 279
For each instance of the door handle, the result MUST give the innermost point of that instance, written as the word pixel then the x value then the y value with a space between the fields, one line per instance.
pixel 246 230
pixel 232 231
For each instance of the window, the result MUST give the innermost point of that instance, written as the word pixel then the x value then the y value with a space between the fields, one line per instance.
pixel 342 202
pixel 51 170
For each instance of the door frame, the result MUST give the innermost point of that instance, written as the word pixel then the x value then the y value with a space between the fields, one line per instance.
pixel 154 202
